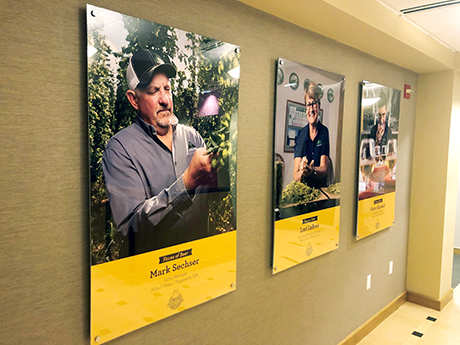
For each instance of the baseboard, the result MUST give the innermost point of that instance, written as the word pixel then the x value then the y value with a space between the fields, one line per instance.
pixel 456 250
pixel 374 321
pixel 429 302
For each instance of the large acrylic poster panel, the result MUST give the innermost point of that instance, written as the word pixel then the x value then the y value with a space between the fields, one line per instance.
pixel 307 147
pixel 378 147
pixel 158 245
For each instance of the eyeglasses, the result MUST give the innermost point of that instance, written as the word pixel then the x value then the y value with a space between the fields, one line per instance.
pixel 309 105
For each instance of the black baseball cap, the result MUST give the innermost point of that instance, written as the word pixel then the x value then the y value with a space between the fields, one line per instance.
pixel 142 66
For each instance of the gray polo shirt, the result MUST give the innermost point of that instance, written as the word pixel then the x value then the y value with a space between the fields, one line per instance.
pixel 144 181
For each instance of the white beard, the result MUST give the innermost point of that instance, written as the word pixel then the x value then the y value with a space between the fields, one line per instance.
pixel 173 120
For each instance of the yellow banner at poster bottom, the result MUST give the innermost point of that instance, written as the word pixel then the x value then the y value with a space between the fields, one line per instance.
pixel 375 214
pixel 133 292
pixel 301 238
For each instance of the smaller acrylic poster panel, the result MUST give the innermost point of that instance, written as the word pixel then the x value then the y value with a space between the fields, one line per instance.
pixel 158 245
pixel 378 147
pixel 307 155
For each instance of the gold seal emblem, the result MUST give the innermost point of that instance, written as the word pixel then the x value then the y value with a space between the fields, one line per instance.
pixel 176 300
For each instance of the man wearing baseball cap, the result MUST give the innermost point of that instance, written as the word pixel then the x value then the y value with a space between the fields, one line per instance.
pixel 154 168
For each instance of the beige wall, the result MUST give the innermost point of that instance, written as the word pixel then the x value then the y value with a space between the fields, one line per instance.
pixel 44 183
pixel 450 213
pixel 456 114
pixel 434 187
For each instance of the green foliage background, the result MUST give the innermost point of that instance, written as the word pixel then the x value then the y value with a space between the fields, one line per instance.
pixel 206 62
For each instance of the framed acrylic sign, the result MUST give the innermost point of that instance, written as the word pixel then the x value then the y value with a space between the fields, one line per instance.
pixel 162 107
pixel 378 146
pixel 307 153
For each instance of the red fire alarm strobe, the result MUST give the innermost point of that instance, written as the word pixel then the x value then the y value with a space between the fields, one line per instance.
pixel 407 91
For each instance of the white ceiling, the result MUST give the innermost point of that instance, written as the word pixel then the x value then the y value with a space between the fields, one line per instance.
pixel 367 25
pixel 439 19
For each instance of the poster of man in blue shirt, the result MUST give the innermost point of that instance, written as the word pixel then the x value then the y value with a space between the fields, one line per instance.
pixel 154 167
pixel 162 130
